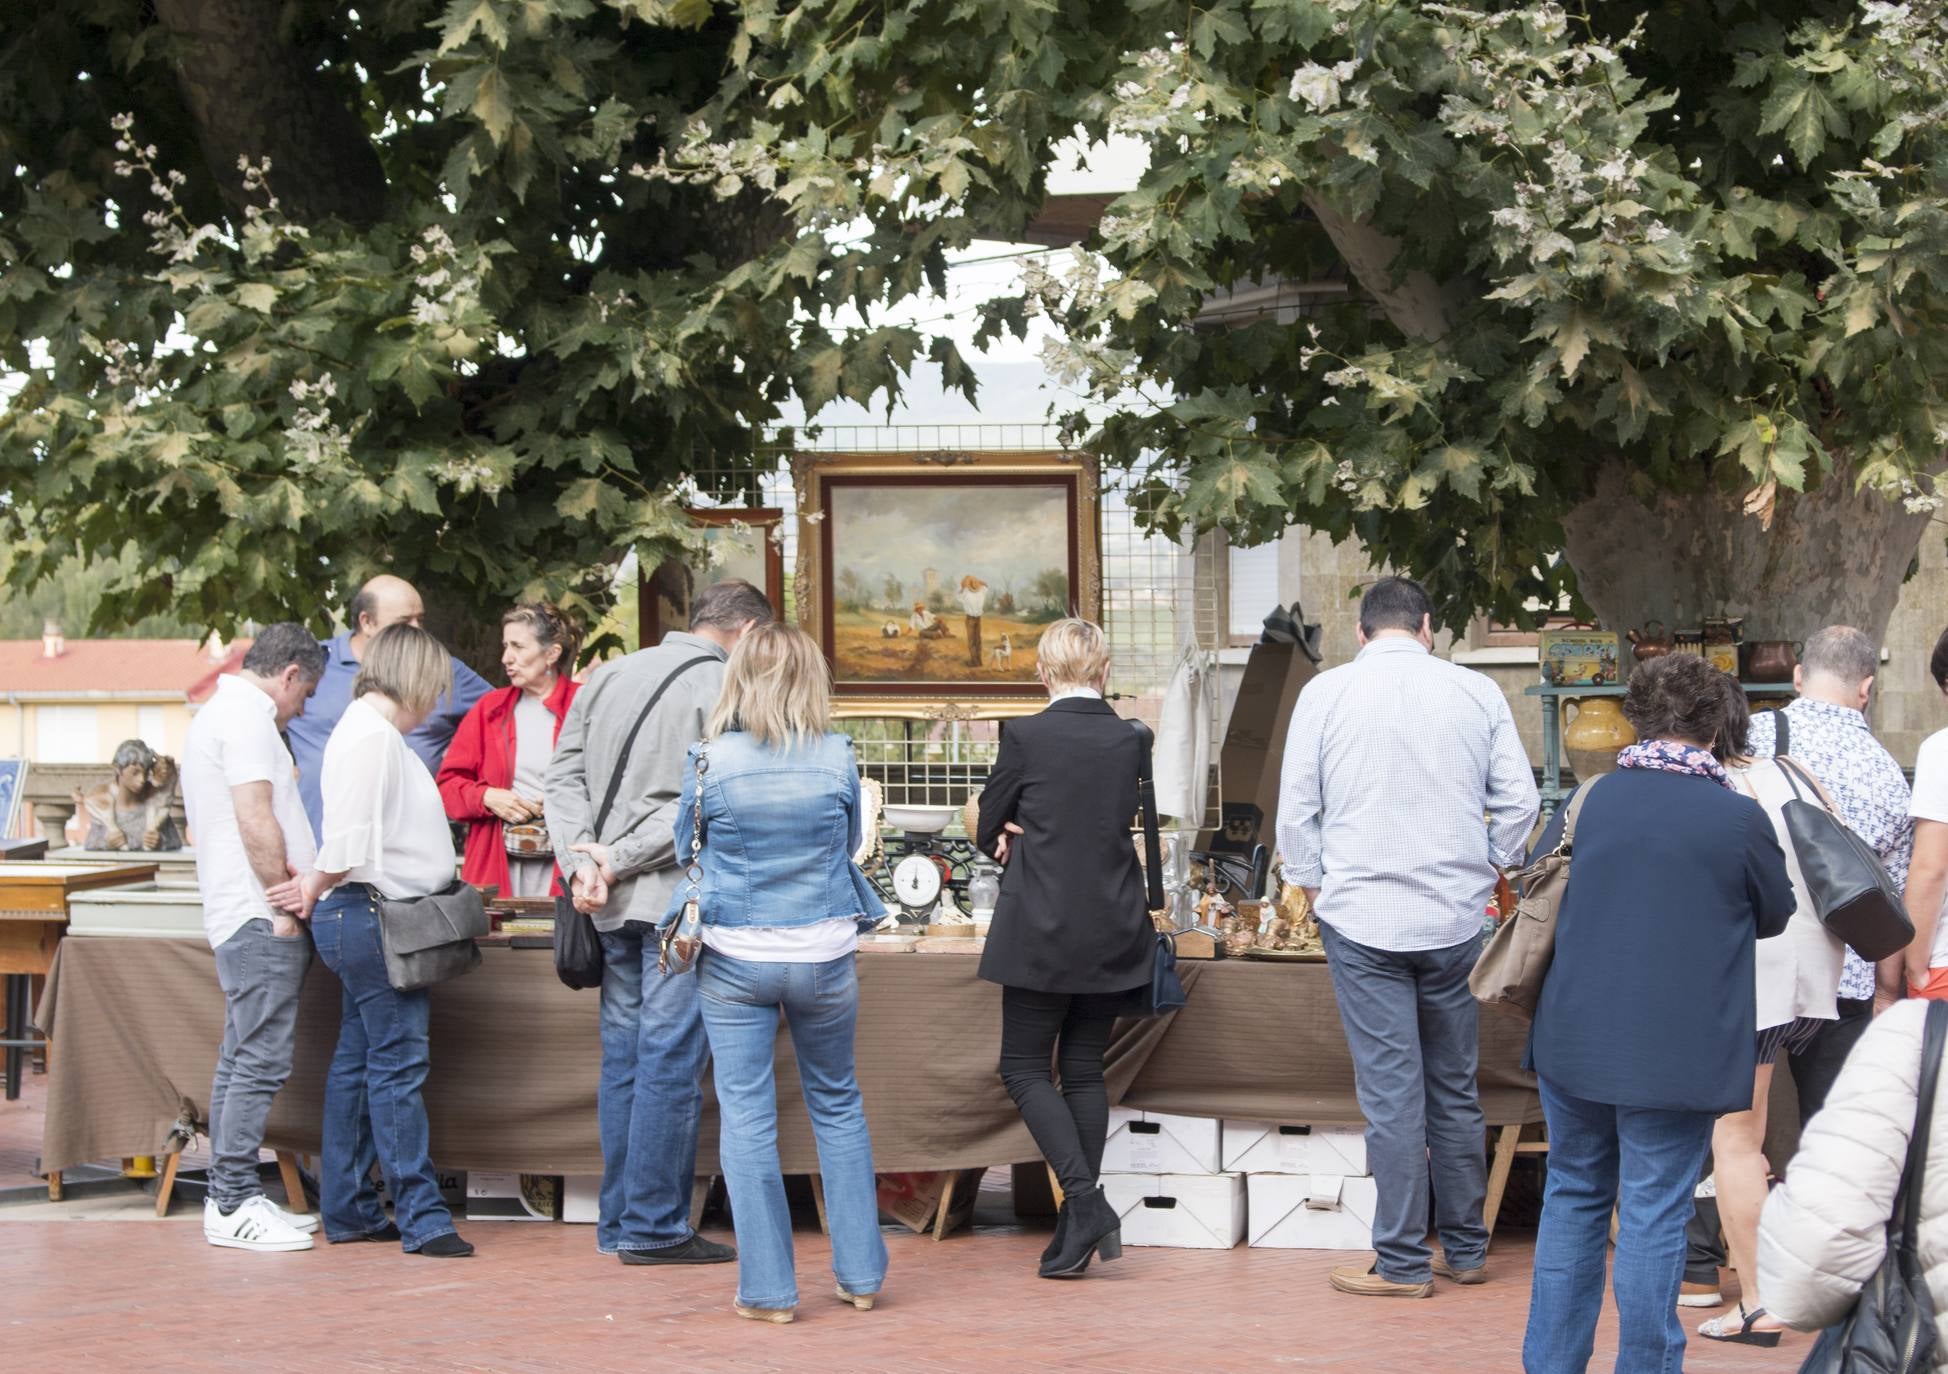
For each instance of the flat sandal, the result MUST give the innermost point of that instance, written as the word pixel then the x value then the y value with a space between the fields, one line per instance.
pixel 1720 1329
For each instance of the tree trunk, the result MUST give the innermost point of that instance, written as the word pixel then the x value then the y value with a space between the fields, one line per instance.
pixel 254 96
pixel 473 639
pixel 1832 557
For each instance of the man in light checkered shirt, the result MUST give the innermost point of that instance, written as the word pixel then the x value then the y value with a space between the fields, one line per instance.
pixel 1390 765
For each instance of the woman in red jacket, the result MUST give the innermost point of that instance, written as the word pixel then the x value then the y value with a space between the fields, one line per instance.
pixel 491 776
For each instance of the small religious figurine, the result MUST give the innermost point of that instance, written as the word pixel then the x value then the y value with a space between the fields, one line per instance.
pixel 131 809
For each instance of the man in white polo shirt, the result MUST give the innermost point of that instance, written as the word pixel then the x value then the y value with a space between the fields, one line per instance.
pixel 240 789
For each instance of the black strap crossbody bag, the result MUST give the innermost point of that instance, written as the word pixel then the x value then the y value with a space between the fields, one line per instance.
pixel 1853 894
pixel 1166 988
pixel 578 948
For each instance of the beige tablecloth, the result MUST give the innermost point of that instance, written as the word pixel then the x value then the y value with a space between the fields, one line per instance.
pixel 134 1026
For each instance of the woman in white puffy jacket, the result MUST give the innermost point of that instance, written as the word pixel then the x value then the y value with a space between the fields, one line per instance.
pixel 1824 1230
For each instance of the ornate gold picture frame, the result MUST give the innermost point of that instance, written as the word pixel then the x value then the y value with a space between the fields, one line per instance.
pixel 927 577
pixel 742 544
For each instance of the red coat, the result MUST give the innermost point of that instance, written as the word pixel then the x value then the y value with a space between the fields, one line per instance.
pixel 482 756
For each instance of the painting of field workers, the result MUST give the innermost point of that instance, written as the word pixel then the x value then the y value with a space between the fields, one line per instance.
pixel 945 583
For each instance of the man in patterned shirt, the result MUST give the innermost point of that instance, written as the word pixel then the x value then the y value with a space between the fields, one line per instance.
pixel 1827 733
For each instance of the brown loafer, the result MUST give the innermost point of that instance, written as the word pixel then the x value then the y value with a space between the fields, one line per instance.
pixel 1478 1274
pixel 1365 1281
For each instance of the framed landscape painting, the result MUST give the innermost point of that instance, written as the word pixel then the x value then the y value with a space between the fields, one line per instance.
pixel 742 543
pixel 928 578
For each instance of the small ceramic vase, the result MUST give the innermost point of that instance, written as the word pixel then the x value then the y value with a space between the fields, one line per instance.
pixel 1592 739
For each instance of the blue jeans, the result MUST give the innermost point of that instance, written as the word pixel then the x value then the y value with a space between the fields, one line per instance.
pixel 373 1109
pixel 650 1098
pixel 1414 1030
pixel 1645 1162
pixel 820 1002
pixel 262 976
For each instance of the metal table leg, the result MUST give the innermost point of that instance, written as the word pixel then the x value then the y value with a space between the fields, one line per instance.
pixel 15 1040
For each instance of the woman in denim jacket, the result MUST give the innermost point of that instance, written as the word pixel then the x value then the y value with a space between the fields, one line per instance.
pixel 781 901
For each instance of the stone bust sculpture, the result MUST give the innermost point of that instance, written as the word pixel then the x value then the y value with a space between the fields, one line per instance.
pixel 131 809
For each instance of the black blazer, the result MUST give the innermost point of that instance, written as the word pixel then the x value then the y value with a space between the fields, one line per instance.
pixel 1072 916
pixel 1649 1001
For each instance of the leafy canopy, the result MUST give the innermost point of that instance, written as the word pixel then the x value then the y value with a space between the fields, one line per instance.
pixel 1505 245
pixel 1496 247
pixel 472 337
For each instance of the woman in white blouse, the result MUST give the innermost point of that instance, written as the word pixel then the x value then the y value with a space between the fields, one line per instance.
pixel 1796 979
pixel 385 834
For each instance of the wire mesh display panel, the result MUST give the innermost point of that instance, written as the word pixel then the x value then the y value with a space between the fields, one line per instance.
pixel 1160 603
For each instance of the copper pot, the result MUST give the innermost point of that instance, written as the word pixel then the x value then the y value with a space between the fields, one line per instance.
pixel 1771 660
pixel 1653 641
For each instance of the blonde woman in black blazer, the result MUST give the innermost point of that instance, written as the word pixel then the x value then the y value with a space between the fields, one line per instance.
pixel 1071 942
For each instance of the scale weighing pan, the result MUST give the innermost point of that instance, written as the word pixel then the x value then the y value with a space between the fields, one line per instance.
pixel 920 820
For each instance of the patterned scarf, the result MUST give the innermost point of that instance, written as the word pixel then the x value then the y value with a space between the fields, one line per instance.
pixel 1668 756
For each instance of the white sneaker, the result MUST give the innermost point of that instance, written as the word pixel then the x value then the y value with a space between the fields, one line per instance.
pixel 297 1221
pixel 257 1225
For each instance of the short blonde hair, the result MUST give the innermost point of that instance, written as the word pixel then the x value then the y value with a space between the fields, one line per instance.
pixel 1072 653
pixel 407 664
pixel 777 688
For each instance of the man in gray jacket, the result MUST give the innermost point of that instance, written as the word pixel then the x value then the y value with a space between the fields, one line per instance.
pixel 611 809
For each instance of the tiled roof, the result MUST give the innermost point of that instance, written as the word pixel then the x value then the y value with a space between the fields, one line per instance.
pixel 161 666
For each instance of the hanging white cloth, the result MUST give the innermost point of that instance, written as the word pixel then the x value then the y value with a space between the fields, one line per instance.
pixel 1183 749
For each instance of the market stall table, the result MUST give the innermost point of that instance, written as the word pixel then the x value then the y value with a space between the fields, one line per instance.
pixel 516 1058
pixel 33 913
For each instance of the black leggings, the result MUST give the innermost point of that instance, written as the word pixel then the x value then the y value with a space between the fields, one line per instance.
pixel 1071 1125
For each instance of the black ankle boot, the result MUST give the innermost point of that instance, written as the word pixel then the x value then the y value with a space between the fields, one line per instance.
pixel 1093 1229
pixel 1061 1230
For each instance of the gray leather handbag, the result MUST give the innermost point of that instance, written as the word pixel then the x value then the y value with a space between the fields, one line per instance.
pixel 428 940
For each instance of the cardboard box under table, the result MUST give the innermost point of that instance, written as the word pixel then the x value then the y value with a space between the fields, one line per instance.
pixel 1179 1211
pixel 1311 1211
pixel 1262 1147
pixel 1161 1143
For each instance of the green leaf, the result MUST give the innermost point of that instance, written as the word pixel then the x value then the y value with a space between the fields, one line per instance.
pixel 258 296
pixel 1215 26
pixel 465 18
pixel 1461 466
pixel 1800 110
pixel 492 105
pixel 1572 340
pixel 1862 312
pixel 818 382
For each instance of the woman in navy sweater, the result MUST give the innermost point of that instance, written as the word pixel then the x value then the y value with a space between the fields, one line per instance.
pixel 1644 1033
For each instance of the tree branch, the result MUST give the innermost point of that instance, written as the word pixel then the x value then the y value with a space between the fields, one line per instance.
pixel 1419 307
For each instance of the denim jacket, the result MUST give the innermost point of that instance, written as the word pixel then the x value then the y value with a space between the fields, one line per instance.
pixel 780 827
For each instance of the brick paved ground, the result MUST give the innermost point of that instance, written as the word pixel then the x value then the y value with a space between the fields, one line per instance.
pixel 141 1295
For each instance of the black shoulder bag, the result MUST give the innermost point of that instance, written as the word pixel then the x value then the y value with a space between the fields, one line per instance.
pixel 1855 898
pixel 1166 988
pixel 578 949
pixel 1891 1329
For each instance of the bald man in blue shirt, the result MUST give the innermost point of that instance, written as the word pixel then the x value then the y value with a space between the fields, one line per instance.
pixel 383 601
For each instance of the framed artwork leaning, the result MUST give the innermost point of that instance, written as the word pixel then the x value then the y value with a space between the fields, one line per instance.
pixel 927 578
pixel 742 541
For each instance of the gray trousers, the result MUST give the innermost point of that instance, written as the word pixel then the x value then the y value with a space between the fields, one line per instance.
pixel 1414 1031
pixel 262 975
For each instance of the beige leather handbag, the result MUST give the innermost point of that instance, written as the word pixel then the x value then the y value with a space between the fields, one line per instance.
pixel 1510 971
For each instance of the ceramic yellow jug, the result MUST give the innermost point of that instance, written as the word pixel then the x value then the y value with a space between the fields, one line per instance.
pixel 1592 739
